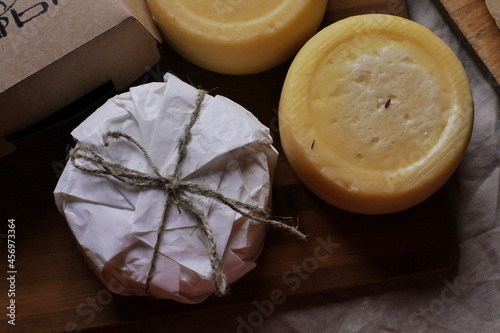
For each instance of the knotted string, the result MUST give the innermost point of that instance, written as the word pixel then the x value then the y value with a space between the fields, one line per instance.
pixel 175 190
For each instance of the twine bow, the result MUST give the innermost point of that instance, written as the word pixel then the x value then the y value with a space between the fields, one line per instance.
pixel 175 190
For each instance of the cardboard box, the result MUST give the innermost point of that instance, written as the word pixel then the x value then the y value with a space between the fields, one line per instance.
pixel 55 51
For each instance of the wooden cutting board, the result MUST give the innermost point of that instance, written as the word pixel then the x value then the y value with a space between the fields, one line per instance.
pixel 56 290
pixel 476 27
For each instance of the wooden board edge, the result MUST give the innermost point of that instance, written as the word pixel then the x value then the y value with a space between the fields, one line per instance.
pixel 475 54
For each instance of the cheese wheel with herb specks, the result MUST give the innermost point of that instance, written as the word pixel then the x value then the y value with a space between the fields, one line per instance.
pixel 375 114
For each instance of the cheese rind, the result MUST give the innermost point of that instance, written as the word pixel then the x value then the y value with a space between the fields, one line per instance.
pixel 237 36
pixel 388 107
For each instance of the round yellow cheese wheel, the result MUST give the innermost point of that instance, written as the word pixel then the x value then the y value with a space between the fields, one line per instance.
pixel 237 36
pixel 375 114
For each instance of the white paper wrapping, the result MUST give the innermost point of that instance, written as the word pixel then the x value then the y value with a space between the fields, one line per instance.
pixel 115 224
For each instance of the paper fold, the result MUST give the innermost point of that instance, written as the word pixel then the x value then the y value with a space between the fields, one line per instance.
pixel 116 224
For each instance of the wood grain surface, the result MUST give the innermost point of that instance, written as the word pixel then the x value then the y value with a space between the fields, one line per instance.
pixel 474 24
pixel 57 292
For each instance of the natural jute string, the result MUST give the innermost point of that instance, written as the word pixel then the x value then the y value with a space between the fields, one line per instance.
pixel 175 190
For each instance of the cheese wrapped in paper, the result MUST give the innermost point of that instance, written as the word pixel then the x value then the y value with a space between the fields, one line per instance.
pixel 116 224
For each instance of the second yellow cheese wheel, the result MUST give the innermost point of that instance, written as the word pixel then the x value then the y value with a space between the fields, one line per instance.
pixel 375 114
pixel 237 36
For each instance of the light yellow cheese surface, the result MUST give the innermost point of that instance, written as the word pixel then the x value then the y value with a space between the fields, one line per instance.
pixel 375 114
pixel 237 36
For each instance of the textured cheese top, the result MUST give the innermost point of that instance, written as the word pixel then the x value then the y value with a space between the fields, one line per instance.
pixel 375 113
pixel 237 36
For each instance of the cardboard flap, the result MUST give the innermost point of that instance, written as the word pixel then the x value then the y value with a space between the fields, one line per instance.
pixel 34 34
pixel 55 51
pixel 140 10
